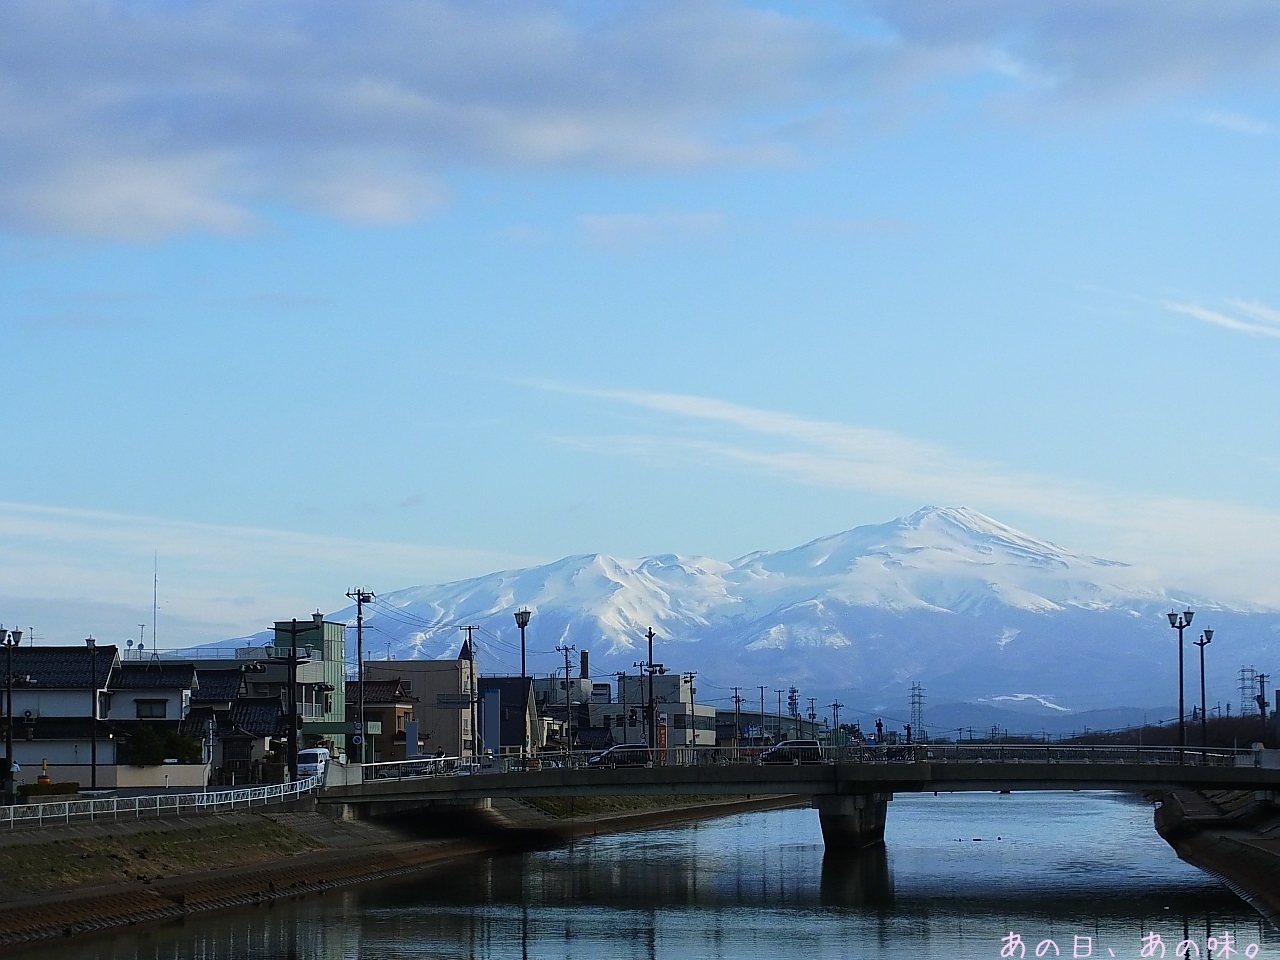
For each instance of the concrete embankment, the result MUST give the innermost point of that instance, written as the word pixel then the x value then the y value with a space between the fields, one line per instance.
pixel 80 879
pixel 1229 835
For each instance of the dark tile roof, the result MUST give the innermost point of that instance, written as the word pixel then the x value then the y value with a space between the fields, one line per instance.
pixel 217 686
pixel 63 668
pixel 154 675
pixel 379 691
pixel 261 717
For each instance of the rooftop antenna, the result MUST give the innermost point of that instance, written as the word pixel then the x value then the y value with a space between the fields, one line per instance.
pixel 155 599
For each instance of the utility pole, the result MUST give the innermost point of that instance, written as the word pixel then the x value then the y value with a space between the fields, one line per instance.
pixel 1263 703
pixel 737 716
pixel 813 709
pixel 475 695
pixel 653 717
pixel 693 713
pixel 762 689
pixel 361 596
pixel 293 700
pixel 622 701
pixel 835 718
pixel 778 722
pixel 568 705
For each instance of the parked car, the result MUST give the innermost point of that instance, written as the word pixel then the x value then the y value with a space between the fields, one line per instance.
pixel 623 755
pixel 793 751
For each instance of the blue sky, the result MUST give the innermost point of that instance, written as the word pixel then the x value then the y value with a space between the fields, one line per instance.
pixel 301 296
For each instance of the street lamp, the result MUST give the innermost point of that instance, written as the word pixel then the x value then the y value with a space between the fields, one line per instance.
pixel 1203 642
pixel 522 621
pixel 1180 622
pixel 92 644
pixel 10 639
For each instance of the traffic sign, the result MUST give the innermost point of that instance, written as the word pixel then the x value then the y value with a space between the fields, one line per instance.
pixel 357 739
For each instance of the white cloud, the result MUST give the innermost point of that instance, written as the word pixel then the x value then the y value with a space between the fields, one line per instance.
pixel 1222 548
pixel 235 578
pixel 1248 317
pixel 1095 52
pixel 1236 123
pixel 138 120
pixel 625 230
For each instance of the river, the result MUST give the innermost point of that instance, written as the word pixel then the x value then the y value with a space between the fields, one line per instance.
pixel 960 877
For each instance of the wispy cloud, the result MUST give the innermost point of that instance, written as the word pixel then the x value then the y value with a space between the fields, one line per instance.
pixel 1234 547
pixel 623 231
pixel 1236 123
pixel 1242 316
pixel 238 577
pixel 134 122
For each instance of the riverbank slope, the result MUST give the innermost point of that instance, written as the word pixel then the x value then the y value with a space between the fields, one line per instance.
pixel 1229 835
pixel 72 880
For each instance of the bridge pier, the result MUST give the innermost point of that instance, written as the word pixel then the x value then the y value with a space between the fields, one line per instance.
pixel 852 821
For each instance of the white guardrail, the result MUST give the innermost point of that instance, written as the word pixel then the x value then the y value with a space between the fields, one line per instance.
pixel 853 753
pixel 155 805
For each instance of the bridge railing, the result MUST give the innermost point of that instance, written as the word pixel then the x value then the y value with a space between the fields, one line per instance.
pixel 155 805
pixel 414 769
pixel 851 753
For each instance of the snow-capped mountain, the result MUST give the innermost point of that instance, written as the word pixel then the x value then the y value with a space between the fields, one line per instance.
pixel 946 597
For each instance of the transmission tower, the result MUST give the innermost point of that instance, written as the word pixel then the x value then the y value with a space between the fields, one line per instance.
pixel 917 710
pixel 1248 690
pixel 793 702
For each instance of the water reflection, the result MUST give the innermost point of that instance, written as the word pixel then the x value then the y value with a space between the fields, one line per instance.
pixel 759 887
pixel 857 880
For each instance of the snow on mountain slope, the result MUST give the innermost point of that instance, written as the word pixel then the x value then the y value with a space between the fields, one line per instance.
pixel 945 558
pixel 946 596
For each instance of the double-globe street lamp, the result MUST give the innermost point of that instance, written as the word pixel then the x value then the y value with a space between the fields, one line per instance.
pixel 1205 637
pixel 1180 622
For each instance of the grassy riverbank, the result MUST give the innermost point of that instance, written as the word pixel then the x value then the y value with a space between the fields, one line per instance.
pixel 145 856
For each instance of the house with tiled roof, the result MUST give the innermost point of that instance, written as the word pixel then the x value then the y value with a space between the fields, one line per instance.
pixel 152 690
pixel 60 699
pixel 388 718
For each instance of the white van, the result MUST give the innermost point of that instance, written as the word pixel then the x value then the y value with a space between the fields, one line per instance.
pixel 313 762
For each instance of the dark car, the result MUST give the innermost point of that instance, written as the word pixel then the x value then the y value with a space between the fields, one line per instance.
pixel 623 755
pixel 793 751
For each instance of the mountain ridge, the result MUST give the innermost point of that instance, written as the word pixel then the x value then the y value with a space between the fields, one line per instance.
pixel 946 596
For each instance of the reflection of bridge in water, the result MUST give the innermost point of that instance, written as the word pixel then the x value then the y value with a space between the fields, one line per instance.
pixel 850 786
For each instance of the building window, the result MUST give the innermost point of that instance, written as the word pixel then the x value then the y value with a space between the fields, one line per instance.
pixel 152 709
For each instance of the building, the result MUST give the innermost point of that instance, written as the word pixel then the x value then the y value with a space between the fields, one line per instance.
pixel 390 729
pixel 59 708
pixel 679 719
pixel 444 707
pixel 508 716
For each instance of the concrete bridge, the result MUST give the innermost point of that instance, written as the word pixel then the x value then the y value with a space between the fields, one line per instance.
pixel 850 787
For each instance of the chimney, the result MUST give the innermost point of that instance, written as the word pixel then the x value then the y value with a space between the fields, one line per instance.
pixel 585 673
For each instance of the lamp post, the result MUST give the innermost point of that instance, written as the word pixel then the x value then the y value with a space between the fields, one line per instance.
pixel 10 639
pixel 1203 642
pixel 1180 622
pixel 522 621
pixel 92 644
